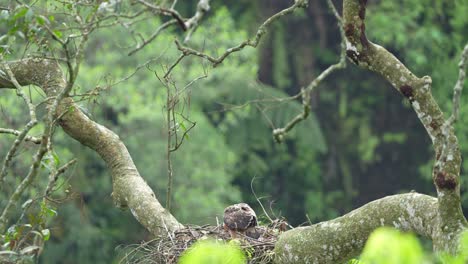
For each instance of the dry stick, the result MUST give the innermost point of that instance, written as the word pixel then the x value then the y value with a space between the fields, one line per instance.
pixel 258 200
pixel 26 129
pixel 279 133
pixel 170 108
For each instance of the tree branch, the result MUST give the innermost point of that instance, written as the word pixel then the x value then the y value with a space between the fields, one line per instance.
pixel 446 171
pixel 250 42
pixel 343 238
pixel 279 133
pixel 129 188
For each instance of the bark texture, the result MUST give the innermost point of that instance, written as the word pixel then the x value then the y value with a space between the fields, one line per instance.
pixel 343 238
pixel 129 189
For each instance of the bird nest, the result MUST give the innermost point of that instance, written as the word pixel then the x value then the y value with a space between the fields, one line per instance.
pixel 169 248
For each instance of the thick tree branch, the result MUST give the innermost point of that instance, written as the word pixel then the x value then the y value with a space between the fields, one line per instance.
pixel 446 170
pixel 440 219
pixel 343 238
pixel 129 188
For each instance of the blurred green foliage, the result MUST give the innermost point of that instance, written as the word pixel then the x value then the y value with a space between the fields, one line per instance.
pixel 390 246
pixel 387 246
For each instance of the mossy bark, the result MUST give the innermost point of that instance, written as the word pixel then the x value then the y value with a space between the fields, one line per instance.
pixel 340 239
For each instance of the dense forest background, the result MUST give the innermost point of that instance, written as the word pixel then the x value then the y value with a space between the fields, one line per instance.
pixel 362 141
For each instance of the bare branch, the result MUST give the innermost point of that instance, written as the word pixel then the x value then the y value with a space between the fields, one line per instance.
pixel 32 139
pixel 279 133
pixel 250 42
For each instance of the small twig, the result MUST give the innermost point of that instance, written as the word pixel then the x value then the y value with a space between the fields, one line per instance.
pixel 279 133
pixel 308 219
pixel 174 65
pixel 258 200
pixel 54 176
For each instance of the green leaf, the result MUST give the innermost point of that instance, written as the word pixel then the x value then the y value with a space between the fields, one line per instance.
pixel 212 252
pixel 58 33
pixel 48 211
pixel 20 12
pixel 390 246
pixel 183 126
pixel 41 20
pixel 56 158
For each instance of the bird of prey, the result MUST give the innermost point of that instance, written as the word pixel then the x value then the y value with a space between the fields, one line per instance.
pixel 240 218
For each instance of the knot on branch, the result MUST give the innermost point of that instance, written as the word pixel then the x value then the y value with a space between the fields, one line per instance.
pixel 407 92
pixel 444 181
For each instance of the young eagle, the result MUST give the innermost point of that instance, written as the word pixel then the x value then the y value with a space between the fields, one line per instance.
pixel 240 218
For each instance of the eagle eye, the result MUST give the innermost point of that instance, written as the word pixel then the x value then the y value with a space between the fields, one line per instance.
pixel 244 208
